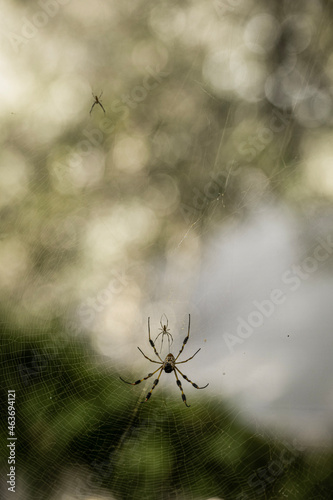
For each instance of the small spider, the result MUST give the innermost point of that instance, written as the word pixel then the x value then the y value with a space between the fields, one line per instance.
pixel 164 331
pixel 168 365
pixel 97 101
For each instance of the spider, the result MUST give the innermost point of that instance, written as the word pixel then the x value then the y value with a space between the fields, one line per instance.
pixel 164 331
pixel 168 365
pixel 97 101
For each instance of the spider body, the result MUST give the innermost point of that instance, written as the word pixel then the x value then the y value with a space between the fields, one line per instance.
pixel 164 331
pixel 168 365
pixel 97 101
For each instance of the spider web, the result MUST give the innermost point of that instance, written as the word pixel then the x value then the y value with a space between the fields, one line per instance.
pixel 100 437
pixel 97 240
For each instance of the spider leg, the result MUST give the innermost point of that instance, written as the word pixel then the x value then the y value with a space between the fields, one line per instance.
pixel 168 335
pixel 139 381
pixel 101 105
pixel 149 358
pixel 186 338
pixel 188 380
pixel 186 360
pixel 154 385
pixel 92 107
pixel 100 94
pixel 180 387
pixel 152 343
pixel 171 341
pixel 162 339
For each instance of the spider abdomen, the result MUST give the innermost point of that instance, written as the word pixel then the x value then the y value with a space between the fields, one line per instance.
pixel 168 367
pixel 169 363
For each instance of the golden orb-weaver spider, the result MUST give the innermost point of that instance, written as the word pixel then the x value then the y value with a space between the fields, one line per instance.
pixel 97 101
pixel 168 365
pixel 164 330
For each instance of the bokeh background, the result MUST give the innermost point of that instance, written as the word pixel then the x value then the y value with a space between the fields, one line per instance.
pixel 204 189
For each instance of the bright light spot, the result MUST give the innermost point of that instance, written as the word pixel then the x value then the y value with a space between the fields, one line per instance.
pixel 261 33
pixel 164 197
pixel 108 236
pixel 318 154
pixel 168 21
pixel 121 319
pixel 235 71
pixel 130 153
pixel 85 164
